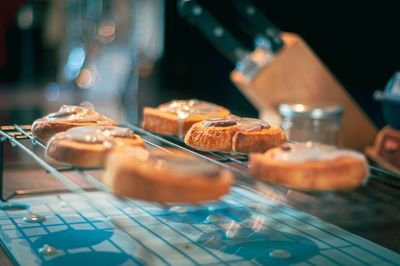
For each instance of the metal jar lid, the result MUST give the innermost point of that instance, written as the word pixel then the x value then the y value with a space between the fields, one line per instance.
pixel 311 111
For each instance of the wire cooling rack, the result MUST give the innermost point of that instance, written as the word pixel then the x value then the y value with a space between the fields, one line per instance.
pixel 236 163
pixel 254 214
pixel 14 134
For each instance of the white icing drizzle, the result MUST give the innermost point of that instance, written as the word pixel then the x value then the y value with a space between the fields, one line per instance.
pixel 313 151
pixel 188 167
pixel 243 123
pixel 75 113
pixel 98 134
pixel 182 165
pixel 138 152
pixel 182 115
pixel 184 108
pixel 191 106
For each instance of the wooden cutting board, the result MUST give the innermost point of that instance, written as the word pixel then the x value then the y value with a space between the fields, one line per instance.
pixel 297 75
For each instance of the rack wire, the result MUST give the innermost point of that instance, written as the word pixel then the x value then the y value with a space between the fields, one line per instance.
pixel 237 163
pixel 14 134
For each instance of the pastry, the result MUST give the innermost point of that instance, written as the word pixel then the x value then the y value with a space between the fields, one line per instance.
pixel 88 146
pixel 234 134
pixel 310 166
pixel 176 117
pixel 165 176
pixel 67 117
pixel 386 149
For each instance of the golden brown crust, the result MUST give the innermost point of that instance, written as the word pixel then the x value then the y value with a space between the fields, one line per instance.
pixel 84 154
pixel 258 140
pixel 232 139
pixel 211 138
pixel 43 129
pixel 157 121
pixel 128 177
pixel 342 173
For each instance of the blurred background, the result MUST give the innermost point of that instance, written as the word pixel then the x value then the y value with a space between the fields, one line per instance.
pixel 125 54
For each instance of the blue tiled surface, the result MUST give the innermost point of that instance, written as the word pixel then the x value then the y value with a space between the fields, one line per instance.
pixel 242 229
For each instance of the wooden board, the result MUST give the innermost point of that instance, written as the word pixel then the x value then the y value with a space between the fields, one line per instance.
pixel 297 75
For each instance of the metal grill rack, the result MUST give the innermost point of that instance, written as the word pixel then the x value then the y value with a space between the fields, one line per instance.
pixel 237 163
pixel 261 202
pixel 14 134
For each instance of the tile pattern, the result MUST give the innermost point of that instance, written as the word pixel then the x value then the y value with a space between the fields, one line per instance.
pixel 241 229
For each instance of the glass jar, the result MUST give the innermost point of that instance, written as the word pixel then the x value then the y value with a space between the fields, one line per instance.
pixel 320 123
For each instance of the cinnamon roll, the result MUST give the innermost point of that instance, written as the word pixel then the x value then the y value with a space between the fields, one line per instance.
pixel 310 166
pixel 168 176
pixel 88 146
pixel 234 134
pixel 176 117
pixel 67 117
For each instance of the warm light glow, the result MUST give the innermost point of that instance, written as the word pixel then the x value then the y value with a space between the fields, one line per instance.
pixel 261 57
pixel 106 31
pixel 299 107
pixel 85 79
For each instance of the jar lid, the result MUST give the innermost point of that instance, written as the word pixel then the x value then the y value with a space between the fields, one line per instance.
pixel 311 111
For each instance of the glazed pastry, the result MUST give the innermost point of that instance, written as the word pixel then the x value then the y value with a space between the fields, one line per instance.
pixel 234 134
pixel 176 117
pixel 88 146
pixel 310 166
pixel 165 176
pixel 67 117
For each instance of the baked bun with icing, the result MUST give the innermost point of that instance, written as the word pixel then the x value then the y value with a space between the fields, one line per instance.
pixel 165 176
pixel 234 134
pixel 88 146
pixel 176 117
pixel 67 117
pixel 310 166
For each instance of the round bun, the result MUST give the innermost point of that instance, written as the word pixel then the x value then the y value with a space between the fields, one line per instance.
pixel 67 117
pixel 310 166
pixel 234 134
pixel 88 146
pixel 176 117
pixel 169 176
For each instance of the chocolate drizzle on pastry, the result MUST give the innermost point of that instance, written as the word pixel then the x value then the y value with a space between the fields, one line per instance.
pixel 252 124
pixel 232 120
pixel 219 123
pixel 228 121
pixel 285 147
